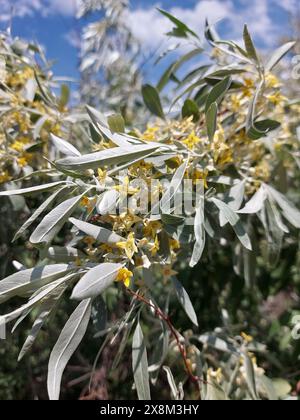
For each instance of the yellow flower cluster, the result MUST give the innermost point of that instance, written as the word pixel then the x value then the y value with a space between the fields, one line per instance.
pixel 18 131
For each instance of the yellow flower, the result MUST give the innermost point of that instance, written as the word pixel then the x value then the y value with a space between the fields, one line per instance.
pixel 246 337
pixel 222 154
pixel 235 104
pixel 215 374
pixel 105 248
pixel 168 272
pixel 4 177
pixel 127 220
pixel 277 98
pixel 201 175
pixel 124 222
pixel 102 175
pixel 248 87
pixel 85 202
pixel 23 160
pixel 152 228
pixel 155 247
pixel 262 171
pixel 89 240
pixel 125 187
pixel 124 276
pixel 128 246
pixel 17 146
pixel 150 133
pixel 88 203
pixel 192 141
pixel 272 81
pixel 174 244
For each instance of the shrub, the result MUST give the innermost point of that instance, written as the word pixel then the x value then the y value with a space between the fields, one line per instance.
pixel 232 152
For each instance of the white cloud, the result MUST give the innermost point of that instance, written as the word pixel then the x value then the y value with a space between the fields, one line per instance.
pixel 19 8
pixel 23 8
pixel 290 6
pixel 64 7
pixel 73 38
pixel 149 26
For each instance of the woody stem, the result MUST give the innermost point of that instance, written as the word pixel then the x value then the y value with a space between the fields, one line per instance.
pixel 182 349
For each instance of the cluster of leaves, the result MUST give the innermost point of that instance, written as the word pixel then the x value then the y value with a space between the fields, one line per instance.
pixel 236 134
pixel 29 113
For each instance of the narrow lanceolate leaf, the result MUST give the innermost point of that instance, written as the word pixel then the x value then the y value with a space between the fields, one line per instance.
pixel 234 220
pixel 210 33
pixel 99 233
pixel 109 157
pixel 64 95
pixel 64 146
pixel 257 129
pixel 279 54
pixel 190 109
pixel 108 202
pixel 214 391
pixel 289 211
pixel 250 375
pixel 64 254
pixel 219 344
pixel 234 198
pixel 116 123
pixel 44 312
pixel 101 126
pixel 140 365
pixel 211 120
pixel 30 89
pixel 250 48
pixel 31 190
pixel 54 221
pixel 38 212
pixel 181 29
pixel 152 100
pixel 185 301
pixel 68 341
pixel 274 233
pixel 277 215
pixel 38 297
pixel 218 92
pixel 256 203
pixel 27 281
pixel 95 281
pixel 172 69
pixel 171 382
pixel 173 188
pixel 262 128
pixel 199 234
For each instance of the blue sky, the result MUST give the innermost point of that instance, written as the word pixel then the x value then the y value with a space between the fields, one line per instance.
pixel 53 22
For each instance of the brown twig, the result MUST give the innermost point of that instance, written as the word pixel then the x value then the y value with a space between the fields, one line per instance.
pixel 158 312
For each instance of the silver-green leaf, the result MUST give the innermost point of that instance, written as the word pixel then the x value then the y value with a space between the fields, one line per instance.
pixel 96 280
pixel 55 220
pixel 27 281
pixel 101 234
pixel 140 365
pixel 234 221
pixel 108 157
pixel 185 301
pixel 68 341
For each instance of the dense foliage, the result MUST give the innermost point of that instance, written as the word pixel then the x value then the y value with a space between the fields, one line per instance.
pixel 203 294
